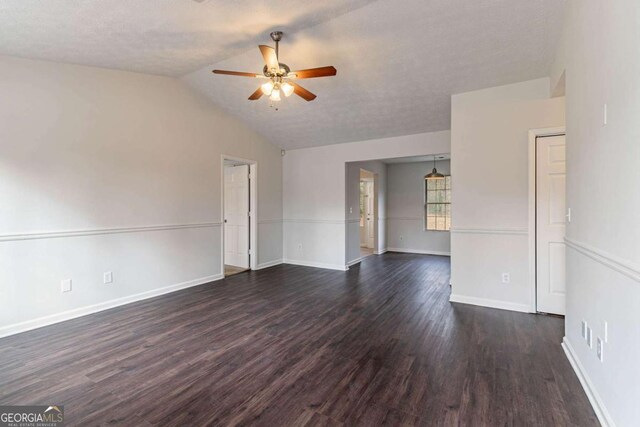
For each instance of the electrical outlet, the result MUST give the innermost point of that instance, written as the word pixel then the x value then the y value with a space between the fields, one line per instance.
pixel 506 278
pixel 107 277
pixel 401 237
pixel 589 337
pixel 600 349
pixel 66 285
pixel 584 329
pixel 299 247
pixel 350 209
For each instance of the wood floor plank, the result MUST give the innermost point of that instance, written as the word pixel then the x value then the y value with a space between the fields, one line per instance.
pixel 379 344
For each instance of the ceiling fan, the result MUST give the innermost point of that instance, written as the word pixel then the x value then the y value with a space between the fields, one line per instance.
pixel 279 75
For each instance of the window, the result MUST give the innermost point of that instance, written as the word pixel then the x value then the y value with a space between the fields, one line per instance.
pixel 437 207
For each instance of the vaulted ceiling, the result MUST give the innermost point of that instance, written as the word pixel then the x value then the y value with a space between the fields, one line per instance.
pixel 398 61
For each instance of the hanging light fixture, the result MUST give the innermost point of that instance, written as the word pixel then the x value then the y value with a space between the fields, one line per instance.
pixel 434 173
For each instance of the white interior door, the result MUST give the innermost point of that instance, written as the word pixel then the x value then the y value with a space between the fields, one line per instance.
pixel 370 215
pixel 550 224
pixel 236 215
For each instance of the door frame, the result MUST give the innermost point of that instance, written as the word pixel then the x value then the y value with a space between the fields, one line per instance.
pixel 253 209
pixel 534 134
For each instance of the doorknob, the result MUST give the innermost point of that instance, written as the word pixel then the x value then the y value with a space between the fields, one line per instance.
pixel 225 221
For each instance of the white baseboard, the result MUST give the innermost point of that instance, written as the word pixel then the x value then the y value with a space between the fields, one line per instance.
pixel 316 264
pixel 380 252
pixel 418 251
pixel 491 303
pixel 90 309
pixel 268 264
pixel 587 385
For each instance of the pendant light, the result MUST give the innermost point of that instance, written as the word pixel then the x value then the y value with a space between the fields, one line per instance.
pixel 434 173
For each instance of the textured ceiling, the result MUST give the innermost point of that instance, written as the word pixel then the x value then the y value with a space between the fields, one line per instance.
pixel 398 61
pixel 398 64
pixel 169 37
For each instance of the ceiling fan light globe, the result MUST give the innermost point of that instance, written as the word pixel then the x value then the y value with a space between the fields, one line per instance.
pixel 287 89
pixel 275 95
pixel 267 88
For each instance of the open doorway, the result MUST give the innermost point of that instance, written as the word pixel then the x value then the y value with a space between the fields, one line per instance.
pixel 368 213
pixel 238 206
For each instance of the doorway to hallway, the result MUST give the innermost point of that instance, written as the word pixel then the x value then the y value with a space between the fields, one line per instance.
pixel 368 212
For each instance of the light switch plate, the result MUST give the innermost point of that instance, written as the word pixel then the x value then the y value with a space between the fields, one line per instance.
pixel 107 277
pixel 66 285
pixel 584 329
pixel 589 337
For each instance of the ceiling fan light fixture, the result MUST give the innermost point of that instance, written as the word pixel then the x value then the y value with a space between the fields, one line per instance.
pixel 267 88
pixel 275 95
pixel 287 89
pixel 276 72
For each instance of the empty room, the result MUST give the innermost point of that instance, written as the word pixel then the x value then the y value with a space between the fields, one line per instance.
pixel 319 213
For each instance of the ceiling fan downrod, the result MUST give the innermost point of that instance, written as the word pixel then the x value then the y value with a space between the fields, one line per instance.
pixel 276 36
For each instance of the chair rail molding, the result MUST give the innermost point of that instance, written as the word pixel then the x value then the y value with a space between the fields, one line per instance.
pixel 493 230
pixel 98 231
pixel 610 261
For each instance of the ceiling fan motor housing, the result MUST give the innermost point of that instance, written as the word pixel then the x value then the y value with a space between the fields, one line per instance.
pixel 284 70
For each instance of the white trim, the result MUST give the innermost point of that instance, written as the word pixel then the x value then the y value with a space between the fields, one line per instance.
pixel 268 264
pixel 316 264
pixel 418 251
pixel 253 209
pixel 98 231
pixel 491 303
pixel 90 309
pixel 380 252
pixel 478 230
pixel 592 394
pixel 611 261
pixel 534 134
pixel 315 221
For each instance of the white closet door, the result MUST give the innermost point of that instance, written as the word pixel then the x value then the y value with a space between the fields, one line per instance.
pixel 550 224
pixel 236 211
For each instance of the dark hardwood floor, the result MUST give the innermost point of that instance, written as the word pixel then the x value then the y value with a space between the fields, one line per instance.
pixel 377 345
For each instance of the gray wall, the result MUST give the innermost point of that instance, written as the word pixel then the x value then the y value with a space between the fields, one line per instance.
pixel 490 197
pixel 405 210
pixel 602 65
pixel 104 170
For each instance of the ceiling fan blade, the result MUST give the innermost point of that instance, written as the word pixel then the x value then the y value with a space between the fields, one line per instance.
pixel 270 58
pixel 237 73
pixel 256 95
pixel 313 72
pixel 302 92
